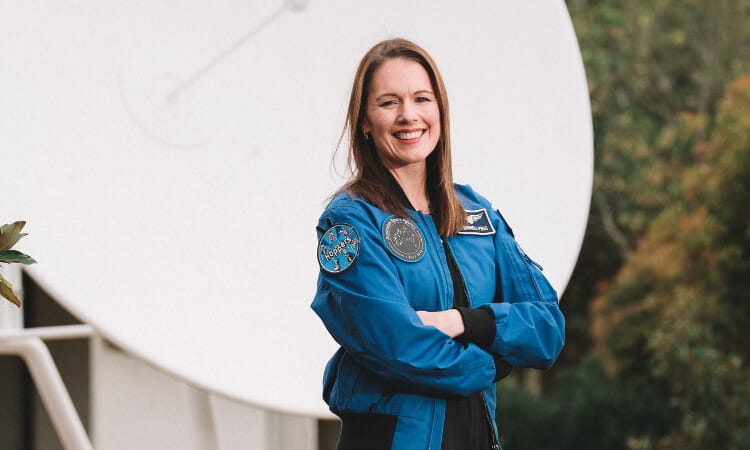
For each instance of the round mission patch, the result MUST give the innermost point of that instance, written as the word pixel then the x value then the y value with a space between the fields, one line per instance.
pixel 338 248
pixel 403 239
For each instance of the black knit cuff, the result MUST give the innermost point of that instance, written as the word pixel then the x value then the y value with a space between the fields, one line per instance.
pixel 479 326
pixel 502 368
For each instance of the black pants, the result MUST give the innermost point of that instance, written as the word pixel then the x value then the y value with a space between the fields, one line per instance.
pixel 466 427
pixel 367 431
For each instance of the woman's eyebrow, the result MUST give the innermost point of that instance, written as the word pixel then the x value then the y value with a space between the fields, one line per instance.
pixel 390 94
pixel 387 94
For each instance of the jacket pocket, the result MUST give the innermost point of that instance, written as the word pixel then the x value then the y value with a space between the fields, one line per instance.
pixel 530 266
pixel 519 280
pixel 357 390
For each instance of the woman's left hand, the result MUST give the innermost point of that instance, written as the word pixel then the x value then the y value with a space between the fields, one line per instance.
pixel 448 321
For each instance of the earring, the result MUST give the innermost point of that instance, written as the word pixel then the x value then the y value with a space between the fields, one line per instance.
pixel 366 136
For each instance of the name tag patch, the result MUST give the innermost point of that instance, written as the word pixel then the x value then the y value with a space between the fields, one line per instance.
pixel 338 248
pixel 478 223
pixel 403 239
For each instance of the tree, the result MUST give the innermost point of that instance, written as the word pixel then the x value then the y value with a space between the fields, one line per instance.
pixel 656 71
pixel 677 314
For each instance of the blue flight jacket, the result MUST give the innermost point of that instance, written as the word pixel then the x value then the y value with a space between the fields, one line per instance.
pixel 389 362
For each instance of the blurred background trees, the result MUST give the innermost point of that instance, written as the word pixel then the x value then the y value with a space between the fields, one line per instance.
pixel 658 306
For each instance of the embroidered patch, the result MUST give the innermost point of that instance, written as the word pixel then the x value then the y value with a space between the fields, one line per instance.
pixel 403 239
pixel 478 223
pixel 338 248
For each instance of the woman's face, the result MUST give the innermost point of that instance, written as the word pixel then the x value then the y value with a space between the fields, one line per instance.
pixel 402 114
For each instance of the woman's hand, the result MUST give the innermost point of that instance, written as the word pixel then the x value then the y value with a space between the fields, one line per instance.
pixel 448 321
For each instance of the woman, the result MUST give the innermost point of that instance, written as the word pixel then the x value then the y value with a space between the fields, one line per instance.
pixel 421 281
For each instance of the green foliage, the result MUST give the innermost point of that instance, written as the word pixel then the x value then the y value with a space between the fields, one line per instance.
pixel 10 234
pixel 677 315
pixel 590 410
pixel 524 420
pixel 6 291
pixel 656 72
pixel 14 256
pixel 667 252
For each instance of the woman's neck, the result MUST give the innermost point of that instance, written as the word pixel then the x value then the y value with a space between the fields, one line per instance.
pixel 413 182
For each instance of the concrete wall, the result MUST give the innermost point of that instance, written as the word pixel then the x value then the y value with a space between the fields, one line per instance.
pixel 137 406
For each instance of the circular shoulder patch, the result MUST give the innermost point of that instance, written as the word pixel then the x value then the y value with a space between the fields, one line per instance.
pixel 338 248
pixel 403 239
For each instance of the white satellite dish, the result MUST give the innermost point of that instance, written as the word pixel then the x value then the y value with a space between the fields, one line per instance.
pixel 172 158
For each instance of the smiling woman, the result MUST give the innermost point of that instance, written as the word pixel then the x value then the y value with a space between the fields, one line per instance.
pixel 399 132
pixel 421 281
pixel 403 121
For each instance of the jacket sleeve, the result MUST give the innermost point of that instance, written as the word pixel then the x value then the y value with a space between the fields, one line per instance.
pixel 367 312
pixel 530 328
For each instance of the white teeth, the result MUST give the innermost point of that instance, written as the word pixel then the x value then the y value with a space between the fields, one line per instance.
pixel 407 136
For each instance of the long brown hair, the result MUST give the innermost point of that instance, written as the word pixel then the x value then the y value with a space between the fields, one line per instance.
pixel 369 178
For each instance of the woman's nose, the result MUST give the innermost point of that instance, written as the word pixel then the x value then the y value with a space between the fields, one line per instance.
pixel 407 113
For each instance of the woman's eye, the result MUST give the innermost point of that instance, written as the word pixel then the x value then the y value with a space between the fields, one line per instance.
pixel 388 103
pixel 423 99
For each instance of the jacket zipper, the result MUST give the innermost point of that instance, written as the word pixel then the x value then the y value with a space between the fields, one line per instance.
pixel 528 262
pixel 494 444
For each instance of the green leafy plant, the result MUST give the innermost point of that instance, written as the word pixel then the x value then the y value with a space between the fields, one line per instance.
pixel 10 234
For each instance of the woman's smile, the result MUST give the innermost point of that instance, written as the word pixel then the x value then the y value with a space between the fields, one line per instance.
pixel 408 135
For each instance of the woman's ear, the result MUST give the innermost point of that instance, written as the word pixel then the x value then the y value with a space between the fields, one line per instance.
pixel 365 130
